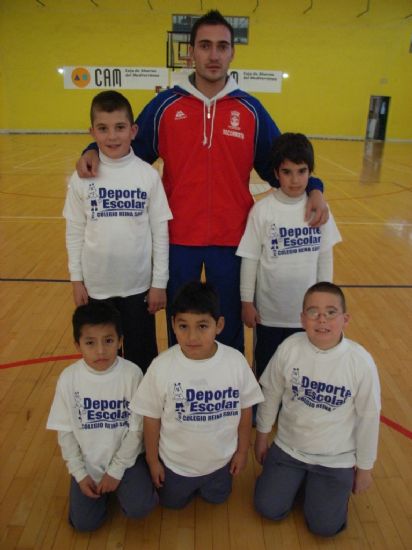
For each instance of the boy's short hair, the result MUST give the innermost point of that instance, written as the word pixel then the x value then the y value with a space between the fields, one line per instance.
pixel 212 17
pixel 328 288
pixel 294 147
pixel 196 297
pixel 109 101
pixel 96 313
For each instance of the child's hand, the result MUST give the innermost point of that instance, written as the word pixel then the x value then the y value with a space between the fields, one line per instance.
pixel 157 472
pixel 88 164
pixel 107 484
pixel 317 211
pixel 80 295
pixel 156 299
pixel 363 480
pixel 238 462
pixel 250 315
pixel 261 446
pixel 88 487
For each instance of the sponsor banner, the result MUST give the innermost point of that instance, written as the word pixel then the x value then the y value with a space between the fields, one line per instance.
pixel 127 78
pixel 249 81
pixel 258 81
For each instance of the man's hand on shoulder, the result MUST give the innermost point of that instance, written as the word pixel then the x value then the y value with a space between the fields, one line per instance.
pixel 317 211
pixel 88 164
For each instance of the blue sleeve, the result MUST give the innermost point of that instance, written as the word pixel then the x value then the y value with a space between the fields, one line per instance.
pixel 91 146
pixel 145 143
pixel 266 132
pixel 314 183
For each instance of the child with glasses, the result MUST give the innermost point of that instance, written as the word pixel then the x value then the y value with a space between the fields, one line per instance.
pixel 326 391
pixel 281 254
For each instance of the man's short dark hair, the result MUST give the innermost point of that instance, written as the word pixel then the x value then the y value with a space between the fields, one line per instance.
pixel 109 101
pixel 294 147
pixel 328 288
pixel 196 297
pixel 96 313
pixel 212 17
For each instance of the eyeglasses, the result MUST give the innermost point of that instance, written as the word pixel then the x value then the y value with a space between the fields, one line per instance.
pixel 314 314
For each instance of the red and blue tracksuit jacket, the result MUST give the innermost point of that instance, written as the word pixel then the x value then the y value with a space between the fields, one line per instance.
pixel 209 149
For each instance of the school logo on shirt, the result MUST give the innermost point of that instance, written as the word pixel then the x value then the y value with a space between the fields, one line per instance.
pixel 115 202
pixel 293 240
pixel 101 413
pixel 233 129
pixel 234 120
pixel 194 405
pixel 317 394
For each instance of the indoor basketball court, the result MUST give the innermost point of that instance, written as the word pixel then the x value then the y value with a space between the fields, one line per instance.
pixel 368 186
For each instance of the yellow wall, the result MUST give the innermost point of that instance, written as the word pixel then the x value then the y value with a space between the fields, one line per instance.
pixel 335 59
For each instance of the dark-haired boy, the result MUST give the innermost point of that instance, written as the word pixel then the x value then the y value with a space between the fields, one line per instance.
pixel 281 254
pixel 116 230
pixel 324 389
pixel 100 438
pixel 210 135
pixel 196 400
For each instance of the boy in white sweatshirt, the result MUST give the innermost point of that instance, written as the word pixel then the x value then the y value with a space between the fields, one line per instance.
pixel 328 423
pixel 117 230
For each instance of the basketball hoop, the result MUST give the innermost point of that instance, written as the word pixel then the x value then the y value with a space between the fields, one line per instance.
pixel 177 50
pixel 188 60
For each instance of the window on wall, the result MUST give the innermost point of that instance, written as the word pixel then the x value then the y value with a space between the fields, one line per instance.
pixel 184 22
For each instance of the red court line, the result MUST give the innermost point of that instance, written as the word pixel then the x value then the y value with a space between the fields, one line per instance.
pixel 39 360
pixel 394 425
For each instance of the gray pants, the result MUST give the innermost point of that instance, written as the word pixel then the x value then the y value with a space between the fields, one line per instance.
pixel 177 490
pixel 136 496
pixel 327 491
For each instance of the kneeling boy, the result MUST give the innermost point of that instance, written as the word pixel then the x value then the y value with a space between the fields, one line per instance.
pixel 328 424
pixel 196 399
pixel 100 439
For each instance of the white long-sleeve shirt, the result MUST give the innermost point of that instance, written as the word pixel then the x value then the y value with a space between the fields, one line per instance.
pixel 330 403
pixel 116 229
pixel 282 257
pixel 97 432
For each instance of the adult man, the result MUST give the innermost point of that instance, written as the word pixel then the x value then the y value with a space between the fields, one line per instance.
pixel 210 135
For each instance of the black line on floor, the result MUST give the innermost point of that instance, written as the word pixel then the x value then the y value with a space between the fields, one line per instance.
pixel 17 280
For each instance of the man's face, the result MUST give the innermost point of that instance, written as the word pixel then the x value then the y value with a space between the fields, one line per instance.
pixel 212 53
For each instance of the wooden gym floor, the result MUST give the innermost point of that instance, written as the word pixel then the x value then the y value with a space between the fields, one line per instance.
pixel 369 189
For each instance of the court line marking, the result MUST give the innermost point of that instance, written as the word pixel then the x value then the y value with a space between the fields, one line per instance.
pixel 32 161
pixel 11 218
pixel 337 165
pixel 32 196
pixel 386 224
pixel 25 362
pixel 32 280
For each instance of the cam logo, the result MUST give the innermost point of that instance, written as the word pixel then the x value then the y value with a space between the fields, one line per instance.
pixel 80 77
